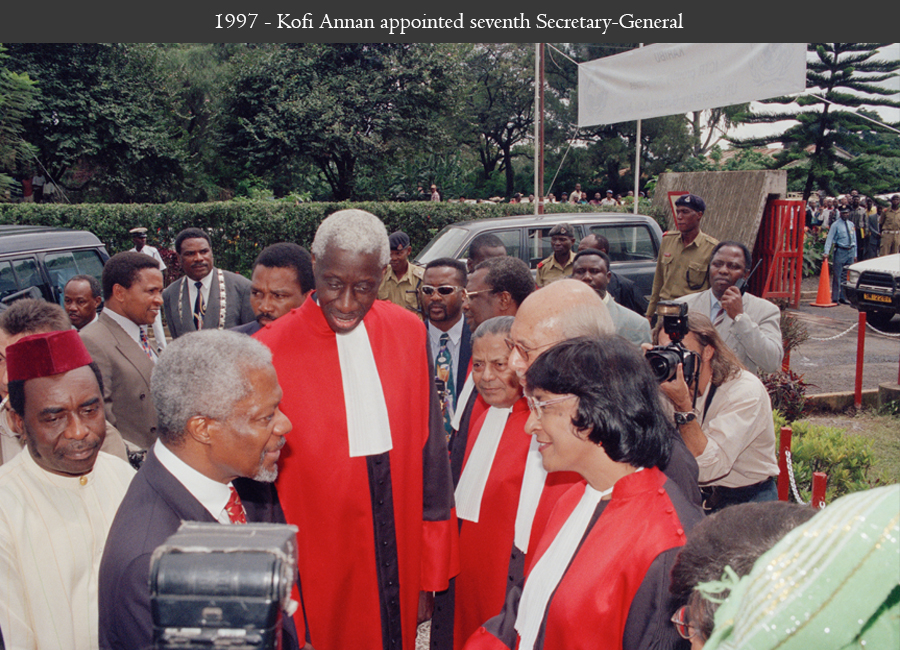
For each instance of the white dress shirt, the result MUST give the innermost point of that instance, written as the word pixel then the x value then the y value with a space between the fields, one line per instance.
pixel 211 494
pixel 453 345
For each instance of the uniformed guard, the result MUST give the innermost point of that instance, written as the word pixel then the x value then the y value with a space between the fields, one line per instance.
pixel 402 278
pixel 683 262
pixel 560 264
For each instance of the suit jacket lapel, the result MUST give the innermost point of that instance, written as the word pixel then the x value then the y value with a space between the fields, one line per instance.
pixel 211 318
pixel 129 348
pixel 170 489
pixel 187 309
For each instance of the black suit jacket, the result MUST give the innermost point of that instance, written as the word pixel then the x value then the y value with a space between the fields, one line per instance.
pixel 153 508
pixel 626 293
pixel 237 298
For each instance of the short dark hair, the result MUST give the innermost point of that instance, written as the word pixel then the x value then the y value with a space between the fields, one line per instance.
pixel 32 316
pixel 16 390
pixel 484 240
pixel 508 274
pixel 96 291
pixel 602 242
pixel 618 396
pixel 190 233
pixel 748 258
pixel 287 255
pixel 596 253
pixel 123 269
pixel 453 264
pixel 735 536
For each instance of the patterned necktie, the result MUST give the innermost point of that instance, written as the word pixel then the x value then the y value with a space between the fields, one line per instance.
pixel 235 508
pixel 444 372
pixel 720 317
pixel 145 343
pixel 199 307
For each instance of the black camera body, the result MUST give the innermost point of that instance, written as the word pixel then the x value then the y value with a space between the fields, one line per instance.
pixel 664 359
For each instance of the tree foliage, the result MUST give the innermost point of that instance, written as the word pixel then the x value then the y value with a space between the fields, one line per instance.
pixel 17 94
pixel 840 77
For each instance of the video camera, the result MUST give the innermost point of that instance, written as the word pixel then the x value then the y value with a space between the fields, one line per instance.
pixel 664 359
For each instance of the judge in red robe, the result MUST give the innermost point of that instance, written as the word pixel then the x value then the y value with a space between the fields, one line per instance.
pixel 365 476
pixel 489 492
pixel 599 577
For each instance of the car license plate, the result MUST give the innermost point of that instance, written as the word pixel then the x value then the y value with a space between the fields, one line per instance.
pixel 874 297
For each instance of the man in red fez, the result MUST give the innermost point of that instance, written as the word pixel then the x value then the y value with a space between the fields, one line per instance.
pixel 57 500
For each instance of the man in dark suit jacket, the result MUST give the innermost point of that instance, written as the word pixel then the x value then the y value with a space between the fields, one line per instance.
pixel 441 293
pixel 118 343
pixel 224 297
pixel 215 437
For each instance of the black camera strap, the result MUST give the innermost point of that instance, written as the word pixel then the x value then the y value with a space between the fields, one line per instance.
pixel 709 399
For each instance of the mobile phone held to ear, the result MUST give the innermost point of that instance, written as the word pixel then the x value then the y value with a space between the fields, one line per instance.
pixel 741 285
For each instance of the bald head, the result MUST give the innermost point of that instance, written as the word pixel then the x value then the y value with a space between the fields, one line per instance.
pixel 562 310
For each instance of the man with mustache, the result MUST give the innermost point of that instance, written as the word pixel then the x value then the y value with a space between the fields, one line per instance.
pixel 449 337
pixel 206 297
pixel 214 435
pixel 57 497
pixel 118 343
pixel 282 279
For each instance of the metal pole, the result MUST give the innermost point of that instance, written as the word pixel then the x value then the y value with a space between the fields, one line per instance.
pixel 541 137
pixel 860 354
pixel 637 163
pixel 539 128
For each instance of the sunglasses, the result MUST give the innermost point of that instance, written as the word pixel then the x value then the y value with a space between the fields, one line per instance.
pixel 444 289
pixel 679 620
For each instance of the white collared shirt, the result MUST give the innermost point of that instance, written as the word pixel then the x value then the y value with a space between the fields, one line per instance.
pixel 211 494
pixel 455 332
pixel 204 289
pixel 131 328
pixel 714 306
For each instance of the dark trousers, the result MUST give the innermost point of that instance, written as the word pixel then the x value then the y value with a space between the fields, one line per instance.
pixel 842 260
pixel 716 497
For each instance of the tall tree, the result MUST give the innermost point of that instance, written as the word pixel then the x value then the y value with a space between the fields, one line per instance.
pixel 339 105
pixel 17 94
pixel 102 122
pixel 839 75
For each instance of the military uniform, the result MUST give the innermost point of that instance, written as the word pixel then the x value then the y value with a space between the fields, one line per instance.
pixel 396 289
pixel 549 270
pixel 681 269
pixel 890 232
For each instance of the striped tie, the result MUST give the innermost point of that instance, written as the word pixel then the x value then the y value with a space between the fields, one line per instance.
pixel 720 317
pixel 145 343
pixel 199 307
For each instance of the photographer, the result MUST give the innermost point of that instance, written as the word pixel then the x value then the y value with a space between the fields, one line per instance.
pixel 729 429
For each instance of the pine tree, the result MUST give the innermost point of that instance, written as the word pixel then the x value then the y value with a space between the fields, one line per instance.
pixel 825 130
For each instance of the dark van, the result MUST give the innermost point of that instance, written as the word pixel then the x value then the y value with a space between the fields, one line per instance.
pixel 37 261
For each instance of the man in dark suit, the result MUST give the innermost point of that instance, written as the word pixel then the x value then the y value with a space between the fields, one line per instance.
pixel 215 460
pixel 206 297
pixel 118 343
pixel 282 279
pixel 441 294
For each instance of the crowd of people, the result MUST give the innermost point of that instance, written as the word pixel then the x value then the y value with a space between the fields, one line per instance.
pixel 460 443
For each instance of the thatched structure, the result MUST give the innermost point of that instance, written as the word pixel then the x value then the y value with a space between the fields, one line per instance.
pixel 735 201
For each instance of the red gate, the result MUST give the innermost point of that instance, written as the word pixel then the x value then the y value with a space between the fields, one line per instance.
pixel 779 244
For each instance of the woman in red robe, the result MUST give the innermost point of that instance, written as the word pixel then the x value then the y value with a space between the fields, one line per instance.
pixel 599 576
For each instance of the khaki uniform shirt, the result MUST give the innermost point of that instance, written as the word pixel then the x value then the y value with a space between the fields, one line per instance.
pixel 680 269
pixel 890 220
pixel 395 289
pixel 549 270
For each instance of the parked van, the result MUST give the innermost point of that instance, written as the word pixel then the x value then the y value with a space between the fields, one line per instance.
pixel 37 261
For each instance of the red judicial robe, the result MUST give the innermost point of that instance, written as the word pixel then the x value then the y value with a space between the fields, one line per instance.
pixel 614 593
pixel 488 561
pixel 373 531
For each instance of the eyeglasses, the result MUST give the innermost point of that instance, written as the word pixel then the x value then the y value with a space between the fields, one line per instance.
pixel 679 620
pixel 537 406
pixel 523 351
pixel 444 289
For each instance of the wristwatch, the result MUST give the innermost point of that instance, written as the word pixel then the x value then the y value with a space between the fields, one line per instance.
pixel 737 318
pixel 683 417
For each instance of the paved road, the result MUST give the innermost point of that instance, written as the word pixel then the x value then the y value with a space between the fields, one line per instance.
pixel 831 365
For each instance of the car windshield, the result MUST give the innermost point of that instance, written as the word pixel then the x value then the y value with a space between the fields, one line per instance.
pixel 446 244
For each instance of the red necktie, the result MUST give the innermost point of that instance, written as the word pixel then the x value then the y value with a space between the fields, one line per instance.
pixel 235 508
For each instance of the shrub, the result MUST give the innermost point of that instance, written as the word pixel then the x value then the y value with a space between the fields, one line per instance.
pixel 813 252
pixel 846 459
pixel 787 390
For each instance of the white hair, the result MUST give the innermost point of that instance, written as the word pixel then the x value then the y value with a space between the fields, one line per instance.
pixel 203 373
pixel 355 231
pixel 498 325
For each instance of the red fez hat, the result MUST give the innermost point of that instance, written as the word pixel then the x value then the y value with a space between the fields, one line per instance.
pixel 42 355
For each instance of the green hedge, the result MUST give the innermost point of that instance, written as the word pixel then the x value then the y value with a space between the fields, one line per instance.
pixel 240 229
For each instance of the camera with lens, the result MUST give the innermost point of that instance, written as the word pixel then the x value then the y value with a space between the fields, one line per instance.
pixel 664 359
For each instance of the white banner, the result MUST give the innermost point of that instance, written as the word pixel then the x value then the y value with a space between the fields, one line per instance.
pixel 672 78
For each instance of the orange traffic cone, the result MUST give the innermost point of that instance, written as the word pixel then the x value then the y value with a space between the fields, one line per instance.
pixel 823 297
